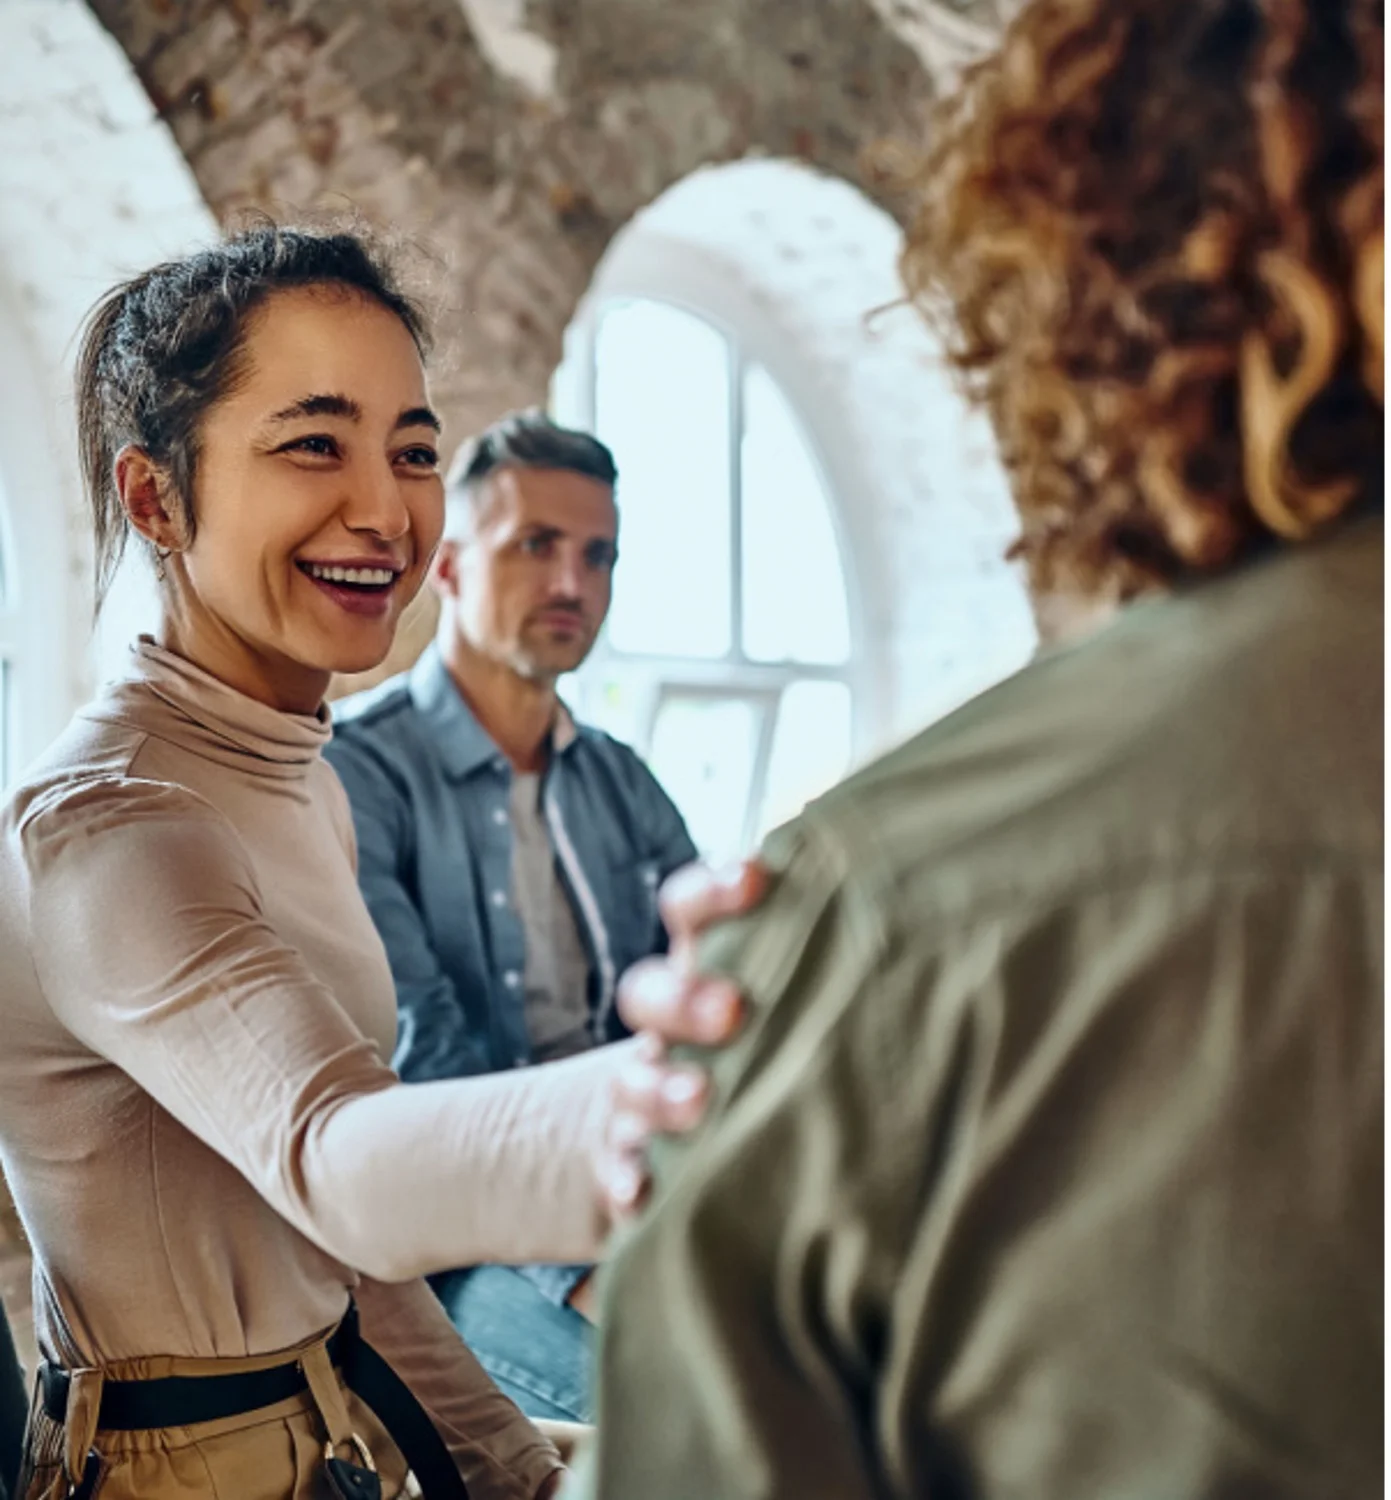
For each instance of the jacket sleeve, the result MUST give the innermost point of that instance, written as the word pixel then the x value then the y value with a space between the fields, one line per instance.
pixel 191 992
pixel 669 842
pixel 434 1039
pixel 500 1455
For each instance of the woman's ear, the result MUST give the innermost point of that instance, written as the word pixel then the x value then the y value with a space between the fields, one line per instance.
pixel 147 498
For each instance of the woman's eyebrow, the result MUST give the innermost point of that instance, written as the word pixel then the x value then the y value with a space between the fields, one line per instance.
pixel 334 405
pixel 419 416
pixel 319 406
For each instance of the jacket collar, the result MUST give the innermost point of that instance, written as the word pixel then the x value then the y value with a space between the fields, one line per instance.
pixel 463 744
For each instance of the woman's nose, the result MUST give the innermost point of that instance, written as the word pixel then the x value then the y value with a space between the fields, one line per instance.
pixel 374 503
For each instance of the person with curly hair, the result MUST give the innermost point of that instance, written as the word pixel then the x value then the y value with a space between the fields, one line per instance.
pixel 1049 1160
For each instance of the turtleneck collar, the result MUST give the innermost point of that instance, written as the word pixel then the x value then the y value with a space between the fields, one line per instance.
pixel 216 720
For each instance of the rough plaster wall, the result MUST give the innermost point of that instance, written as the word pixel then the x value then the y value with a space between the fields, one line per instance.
pixel 514 137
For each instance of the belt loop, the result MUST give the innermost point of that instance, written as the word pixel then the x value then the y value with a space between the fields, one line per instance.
pixel 80 1423
pixel 328 1395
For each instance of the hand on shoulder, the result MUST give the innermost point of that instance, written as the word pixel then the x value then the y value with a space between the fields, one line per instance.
pixel 666 1002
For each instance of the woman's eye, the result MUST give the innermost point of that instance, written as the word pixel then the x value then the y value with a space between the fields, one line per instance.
pixel 319 444
pixel 421 457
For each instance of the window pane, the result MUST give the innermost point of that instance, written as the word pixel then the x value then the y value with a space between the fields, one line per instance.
pixel 811 749
pixel 794 588
pixel 703 752
pixel 567 399
pixel 613 696
pixel 662 405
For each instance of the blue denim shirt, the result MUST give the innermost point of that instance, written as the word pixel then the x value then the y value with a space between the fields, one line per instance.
pixel 430 796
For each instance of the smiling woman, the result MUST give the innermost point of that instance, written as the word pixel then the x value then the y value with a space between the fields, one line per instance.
pixel 217 1171
pixel 300 417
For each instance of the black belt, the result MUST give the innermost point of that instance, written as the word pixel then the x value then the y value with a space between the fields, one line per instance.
pixel 186 1400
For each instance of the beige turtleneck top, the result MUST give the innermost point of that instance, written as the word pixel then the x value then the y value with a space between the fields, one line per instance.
pixel 208 1151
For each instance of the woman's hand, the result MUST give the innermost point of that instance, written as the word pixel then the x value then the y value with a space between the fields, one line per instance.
pixel 665 1001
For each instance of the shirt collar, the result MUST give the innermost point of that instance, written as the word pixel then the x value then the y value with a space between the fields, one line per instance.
pixel 566 731
pixel 463 744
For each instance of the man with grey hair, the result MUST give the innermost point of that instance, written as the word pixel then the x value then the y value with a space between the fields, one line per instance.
pixel 510 857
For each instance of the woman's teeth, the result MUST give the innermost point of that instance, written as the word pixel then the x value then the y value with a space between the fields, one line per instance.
pixel 372 577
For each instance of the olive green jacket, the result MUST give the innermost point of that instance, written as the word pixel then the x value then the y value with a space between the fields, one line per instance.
pixel 1051 1163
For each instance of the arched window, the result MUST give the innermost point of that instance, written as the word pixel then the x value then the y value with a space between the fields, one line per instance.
pixel 730 655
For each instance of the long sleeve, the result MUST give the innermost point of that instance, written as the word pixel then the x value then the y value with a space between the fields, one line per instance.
pixel 487 1434
pixel 435 1039
pixel 152 949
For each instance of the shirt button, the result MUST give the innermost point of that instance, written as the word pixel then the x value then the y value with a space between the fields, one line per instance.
pixel 500 817
pixel 499 898
pixel 520 1061
pixel 511 979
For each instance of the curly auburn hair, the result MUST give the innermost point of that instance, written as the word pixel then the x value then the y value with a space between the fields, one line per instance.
pixel 1150 235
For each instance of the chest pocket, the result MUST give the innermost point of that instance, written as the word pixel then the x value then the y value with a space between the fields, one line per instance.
pixel 636 918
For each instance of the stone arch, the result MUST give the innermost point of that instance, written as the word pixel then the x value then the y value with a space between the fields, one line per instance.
pixel 517 136
pixel 801 268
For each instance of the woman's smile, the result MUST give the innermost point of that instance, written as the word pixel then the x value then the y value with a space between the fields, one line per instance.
pixel 360 586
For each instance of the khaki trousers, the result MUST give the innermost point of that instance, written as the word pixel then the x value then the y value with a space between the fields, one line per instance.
pixel 274 1453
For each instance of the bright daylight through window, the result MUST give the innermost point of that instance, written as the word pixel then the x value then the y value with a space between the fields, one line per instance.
pixel 728 653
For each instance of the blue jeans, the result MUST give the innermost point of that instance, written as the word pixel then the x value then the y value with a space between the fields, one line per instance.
pixel 536 1351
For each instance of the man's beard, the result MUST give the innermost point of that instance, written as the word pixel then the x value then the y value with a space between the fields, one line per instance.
pixel 546 662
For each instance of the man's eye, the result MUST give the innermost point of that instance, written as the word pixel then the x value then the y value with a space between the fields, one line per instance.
pixel 536 546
